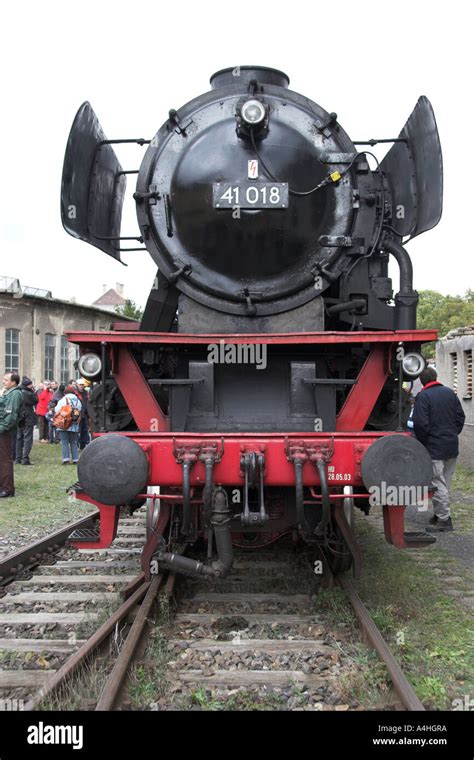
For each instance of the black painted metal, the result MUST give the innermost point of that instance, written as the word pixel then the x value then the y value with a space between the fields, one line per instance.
pixel 93 185
pixel 254 263
pixel 262 257
pixel 397 460
pixel 113 469
pixel 414 169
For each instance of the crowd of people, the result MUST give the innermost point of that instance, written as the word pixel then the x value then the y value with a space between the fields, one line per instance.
pixel 24 407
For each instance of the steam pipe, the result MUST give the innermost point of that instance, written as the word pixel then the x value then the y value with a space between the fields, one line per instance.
pixel 298 465
pixel 187 496
pixel 326 508
pixel 207 491
pixel 406 299
pixel 356 303
pixel 220 524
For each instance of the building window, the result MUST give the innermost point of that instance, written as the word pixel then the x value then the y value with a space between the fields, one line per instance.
pixel 453 360
pixel 49 349
pixel 468 373
pixel 12 350
pixel 64 360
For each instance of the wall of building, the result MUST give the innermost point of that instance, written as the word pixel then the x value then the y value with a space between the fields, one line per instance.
pixel 34 317
pixel 454 364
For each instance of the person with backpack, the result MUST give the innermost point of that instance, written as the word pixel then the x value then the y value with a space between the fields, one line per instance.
pixel 66 420
pixel 11 404
pixel 24 436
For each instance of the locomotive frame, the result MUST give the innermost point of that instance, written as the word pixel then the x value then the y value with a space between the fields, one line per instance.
pixel 290 459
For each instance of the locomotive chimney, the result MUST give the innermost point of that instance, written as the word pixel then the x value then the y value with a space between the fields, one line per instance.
pixel 241 76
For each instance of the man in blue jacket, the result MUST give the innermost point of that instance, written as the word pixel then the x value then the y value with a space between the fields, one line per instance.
pixel 438 418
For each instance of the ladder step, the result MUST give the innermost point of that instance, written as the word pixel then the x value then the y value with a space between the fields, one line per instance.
pixel 85 534
pixel 419 538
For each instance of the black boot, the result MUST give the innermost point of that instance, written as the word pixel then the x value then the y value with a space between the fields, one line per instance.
pixel 442 526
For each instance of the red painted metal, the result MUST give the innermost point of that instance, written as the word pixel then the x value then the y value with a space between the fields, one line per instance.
pixel 343 450
pixel 156 338
pixel 394 526
pixel 363 395
pixel 144 407
pixel 318 496
pixel 343 468
pixel 108 522
pixel 177 497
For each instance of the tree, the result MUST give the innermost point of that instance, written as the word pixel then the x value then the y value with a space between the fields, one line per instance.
pixel 443 313
pixel 130 309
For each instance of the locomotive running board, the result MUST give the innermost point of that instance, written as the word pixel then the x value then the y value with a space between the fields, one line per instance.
pixel 394 523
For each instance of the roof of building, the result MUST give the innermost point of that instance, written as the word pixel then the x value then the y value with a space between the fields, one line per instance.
pixel 110 298
pixel 12 287
pixel 459 332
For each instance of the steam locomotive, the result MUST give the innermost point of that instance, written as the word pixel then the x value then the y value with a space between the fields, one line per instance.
pixel 262 393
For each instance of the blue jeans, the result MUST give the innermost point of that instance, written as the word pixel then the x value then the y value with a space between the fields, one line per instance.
pixel 68 441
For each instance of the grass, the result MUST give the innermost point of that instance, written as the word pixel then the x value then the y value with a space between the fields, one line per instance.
pixel 41 500
pixel 148 681
pixel 430 633
pixel 463 480
pixel 243 701
pixel 462 490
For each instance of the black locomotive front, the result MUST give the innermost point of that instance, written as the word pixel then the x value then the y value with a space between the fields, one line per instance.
pixel 271 230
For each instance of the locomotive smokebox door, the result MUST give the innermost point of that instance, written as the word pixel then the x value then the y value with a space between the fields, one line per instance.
pixel 93 185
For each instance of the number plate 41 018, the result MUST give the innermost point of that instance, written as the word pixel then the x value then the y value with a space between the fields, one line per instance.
pixel 250 195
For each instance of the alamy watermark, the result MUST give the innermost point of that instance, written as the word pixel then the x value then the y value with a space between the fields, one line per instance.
pixel 392 496
pixel 12 705
pixel 237 353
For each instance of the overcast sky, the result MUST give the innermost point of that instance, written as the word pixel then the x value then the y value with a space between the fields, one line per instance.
pixel 367 61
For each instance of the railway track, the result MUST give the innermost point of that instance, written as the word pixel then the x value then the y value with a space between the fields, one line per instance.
pixel 259 640
pixel 263 640
pixel 54 599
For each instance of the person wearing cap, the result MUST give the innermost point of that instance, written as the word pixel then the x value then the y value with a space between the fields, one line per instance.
pixel 11 405
pixel 24 436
